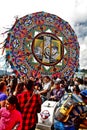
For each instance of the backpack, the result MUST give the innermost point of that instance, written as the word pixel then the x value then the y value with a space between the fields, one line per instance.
pixel 65 106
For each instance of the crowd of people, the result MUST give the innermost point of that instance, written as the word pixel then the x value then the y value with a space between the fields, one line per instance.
pixel 21 99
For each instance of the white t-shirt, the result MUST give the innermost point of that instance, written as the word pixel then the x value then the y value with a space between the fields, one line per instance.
pixel 47 86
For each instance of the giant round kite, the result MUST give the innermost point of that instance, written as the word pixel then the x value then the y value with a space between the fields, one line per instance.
pixel 42 44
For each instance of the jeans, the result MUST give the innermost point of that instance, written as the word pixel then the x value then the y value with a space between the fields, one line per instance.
pixel 69 128
pixel 58 125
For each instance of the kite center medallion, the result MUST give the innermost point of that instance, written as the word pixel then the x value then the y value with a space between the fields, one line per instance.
pixel 47 49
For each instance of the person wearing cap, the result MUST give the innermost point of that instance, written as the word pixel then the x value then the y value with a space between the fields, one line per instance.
pixel 83 94
pixel 77 117
pixel 58 91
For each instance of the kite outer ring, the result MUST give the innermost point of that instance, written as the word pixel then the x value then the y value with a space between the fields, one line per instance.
pixel 19 42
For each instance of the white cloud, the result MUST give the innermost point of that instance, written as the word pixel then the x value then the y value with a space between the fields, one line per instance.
pixel 80 10
pixel 80 27
pixel 83 53
pixel 10 9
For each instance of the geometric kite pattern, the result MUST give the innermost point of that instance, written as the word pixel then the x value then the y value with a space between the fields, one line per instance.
pixel 42 44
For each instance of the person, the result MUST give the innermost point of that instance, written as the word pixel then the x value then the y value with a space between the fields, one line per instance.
pixel 75 116
pixel 13 83
pixel 19 88
pixel 37 87
pixel 46 88
pixel 83 94
pixel 80 83
pixel 76 89
pixel 3 95
pixel 10 117
pixel 5 79
pixel 30 104
pixel 57 92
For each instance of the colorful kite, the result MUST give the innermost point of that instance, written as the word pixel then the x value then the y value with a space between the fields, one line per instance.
pixel 42 44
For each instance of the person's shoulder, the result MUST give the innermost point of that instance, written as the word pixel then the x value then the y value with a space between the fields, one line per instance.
pixel 19 95
pixel 3 96
pixel 2 93
pixel 17 113
pixel 22 93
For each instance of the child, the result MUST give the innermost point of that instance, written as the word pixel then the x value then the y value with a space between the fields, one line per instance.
pixel 10 117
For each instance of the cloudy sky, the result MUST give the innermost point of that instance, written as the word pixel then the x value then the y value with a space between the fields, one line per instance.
pixel 72 11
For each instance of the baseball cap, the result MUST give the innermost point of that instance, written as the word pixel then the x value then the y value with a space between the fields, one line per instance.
pixel 84 93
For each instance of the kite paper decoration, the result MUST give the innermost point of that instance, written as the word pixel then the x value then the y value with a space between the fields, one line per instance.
pixel 42 44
